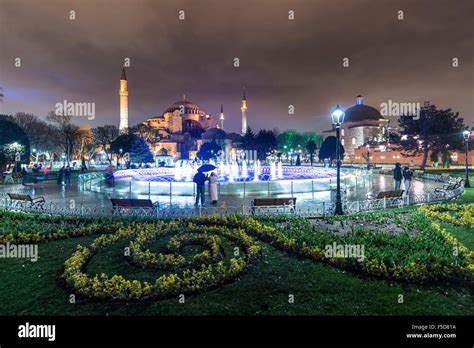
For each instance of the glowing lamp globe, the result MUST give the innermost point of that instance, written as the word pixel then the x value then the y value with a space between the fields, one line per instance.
pixel 338 115
pixel 466 134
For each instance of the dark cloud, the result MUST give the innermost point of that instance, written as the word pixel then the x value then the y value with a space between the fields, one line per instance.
pixel 282 62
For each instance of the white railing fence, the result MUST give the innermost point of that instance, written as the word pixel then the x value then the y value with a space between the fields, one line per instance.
pixel 317 209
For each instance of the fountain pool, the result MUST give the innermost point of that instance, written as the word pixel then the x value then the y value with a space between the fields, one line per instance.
pixel 233 178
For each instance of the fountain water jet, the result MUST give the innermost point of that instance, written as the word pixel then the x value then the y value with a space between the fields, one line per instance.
pixel 273 171
pixel 280 170
pixel 245 172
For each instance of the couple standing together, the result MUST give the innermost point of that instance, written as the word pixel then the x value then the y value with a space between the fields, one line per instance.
pixel 398 175
pixel 200 180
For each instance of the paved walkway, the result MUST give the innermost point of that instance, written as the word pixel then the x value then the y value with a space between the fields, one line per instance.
pixel 67 194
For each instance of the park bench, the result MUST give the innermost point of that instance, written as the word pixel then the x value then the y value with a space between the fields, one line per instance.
pixel 289 202
pixel 450 187
pixel 418 172
pixel 443 177
pixel 390 194
pixel 121 205
pixel 20 198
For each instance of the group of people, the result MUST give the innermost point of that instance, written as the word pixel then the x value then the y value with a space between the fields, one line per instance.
pixel 200 180
pixel 64 175
pixel 406 175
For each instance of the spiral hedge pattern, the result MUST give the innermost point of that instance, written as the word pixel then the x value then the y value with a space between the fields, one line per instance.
pixel 204 270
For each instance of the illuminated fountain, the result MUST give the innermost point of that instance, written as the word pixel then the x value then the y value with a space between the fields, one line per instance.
pixel 273 175
pixel 234 178
pixel 256 172
pixel 245 172
pixel 280 170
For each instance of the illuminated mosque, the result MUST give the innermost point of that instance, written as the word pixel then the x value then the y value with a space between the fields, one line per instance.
pixel 184 127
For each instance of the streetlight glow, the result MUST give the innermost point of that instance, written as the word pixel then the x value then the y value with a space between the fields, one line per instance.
pixel 338 115
pixel 466 134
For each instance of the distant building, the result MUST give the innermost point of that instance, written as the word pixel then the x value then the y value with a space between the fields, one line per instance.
pixel 184 127
pixel 362 124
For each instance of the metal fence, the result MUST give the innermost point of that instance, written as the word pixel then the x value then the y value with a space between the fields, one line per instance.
pixel 318 209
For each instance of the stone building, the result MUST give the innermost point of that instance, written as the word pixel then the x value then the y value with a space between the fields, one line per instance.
pixel 362 124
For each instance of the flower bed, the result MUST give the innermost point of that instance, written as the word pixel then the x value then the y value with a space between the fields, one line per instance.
pixel 456 214
pixel 416 249
pixel 203 272
pixel 430 255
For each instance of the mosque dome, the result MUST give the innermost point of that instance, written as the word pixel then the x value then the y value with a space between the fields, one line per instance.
pixel 360 112
pixel 186 107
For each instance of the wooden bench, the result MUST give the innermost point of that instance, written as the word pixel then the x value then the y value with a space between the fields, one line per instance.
pixel 449 187
pixel 390 194
pixel 117 203
pixel 289 202
pixel 19 198
pixel 443 177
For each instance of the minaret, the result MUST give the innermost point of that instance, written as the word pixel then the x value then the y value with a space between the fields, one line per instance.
pixel 244 113
pixel 123 103
pixel 221 118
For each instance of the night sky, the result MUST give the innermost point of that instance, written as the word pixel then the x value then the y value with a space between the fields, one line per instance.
pixel 282 62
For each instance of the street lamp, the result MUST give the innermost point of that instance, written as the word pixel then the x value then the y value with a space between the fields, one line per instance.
pixel 466 135
pixel 119 159
pixel 368 156
pixel 337 119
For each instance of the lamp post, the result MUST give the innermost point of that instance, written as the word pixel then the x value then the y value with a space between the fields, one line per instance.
pixel 466 135
pixel 368 156
pixel 119 158
pixel 337 119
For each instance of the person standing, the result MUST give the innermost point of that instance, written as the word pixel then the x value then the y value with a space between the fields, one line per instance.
pixel 200 180
pixel 24 175
pixel 397 176
pixel 407 176
pixel 61 175
pixel 67 174
pixel 213 188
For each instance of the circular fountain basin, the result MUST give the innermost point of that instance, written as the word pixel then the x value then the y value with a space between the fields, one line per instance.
pixel 268 180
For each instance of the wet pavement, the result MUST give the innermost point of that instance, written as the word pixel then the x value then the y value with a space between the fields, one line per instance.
pixel 356 188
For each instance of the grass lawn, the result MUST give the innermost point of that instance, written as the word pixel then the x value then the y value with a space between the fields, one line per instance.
pixel 29 288
pixel 32 289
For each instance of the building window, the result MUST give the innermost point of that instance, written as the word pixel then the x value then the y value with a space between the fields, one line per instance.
pixel 342 131
pixel 342 142
pixel 353 141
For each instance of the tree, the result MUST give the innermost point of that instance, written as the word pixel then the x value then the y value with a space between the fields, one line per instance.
pixel 12 139
pixel 209 150
pixel 265 143
pixel 123 142
pixel 139 151
pixel 103 136
pixel 293 140
pixel 248 141
pixel 311 148
pixel 328 149
pixel 150 134
pixel 85 144
pixel 431 131
pixel 41 135
pixel 68 133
